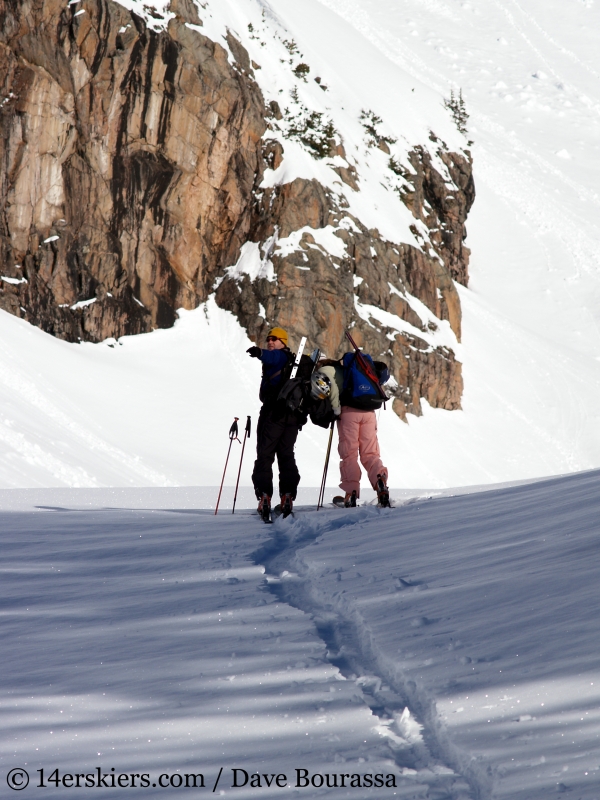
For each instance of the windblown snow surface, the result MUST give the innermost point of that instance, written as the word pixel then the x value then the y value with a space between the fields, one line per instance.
pixel 449 644
pixel 155 409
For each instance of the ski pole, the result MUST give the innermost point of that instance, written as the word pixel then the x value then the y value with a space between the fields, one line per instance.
pixel 324 479
pixel 233 434
pixel 246 436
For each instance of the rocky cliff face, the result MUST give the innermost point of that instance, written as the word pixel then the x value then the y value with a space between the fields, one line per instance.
pixel 128 164
pixel 132 163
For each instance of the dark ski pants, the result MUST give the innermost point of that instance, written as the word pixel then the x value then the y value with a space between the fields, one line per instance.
pixel 275 436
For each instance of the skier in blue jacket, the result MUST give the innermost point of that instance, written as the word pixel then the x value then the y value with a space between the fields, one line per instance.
pixel 277 428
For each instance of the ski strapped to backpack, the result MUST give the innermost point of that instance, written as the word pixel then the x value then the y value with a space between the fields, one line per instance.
pixel 296 390
pixel 293 388
pixel 362 387
pixel 298 357
pixel 367 368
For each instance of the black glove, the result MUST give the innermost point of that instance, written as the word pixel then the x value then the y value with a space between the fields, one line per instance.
pixel 254 352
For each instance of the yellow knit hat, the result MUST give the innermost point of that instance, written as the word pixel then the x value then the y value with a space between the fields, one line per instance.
pixel 280 334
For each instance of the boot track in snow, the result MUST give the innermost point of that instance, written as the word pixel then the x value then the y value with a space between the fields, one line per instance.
pixel 405 715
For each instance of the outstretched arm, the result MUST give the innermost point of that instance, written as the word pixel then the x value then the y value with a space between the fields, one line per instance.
pixel 274 358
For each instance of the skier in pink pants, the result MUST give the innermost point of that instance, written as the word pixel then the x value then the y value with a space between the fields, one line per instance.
pixel 357 431
pixel 354 399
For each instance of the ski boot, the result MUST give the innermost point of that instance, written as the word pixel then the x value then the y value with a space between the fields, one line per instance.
pixel 264 507
pixel 383 493
pixel 350 499
pixel 287 504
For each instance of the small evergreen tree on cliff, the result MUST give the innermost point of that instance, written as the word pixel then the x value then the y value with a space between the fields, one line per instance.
pixel 456 106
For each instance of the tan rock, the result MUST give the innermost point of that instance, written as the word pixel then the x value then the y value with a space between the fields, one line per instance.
pixel 187 10
pixel 130 166
pixel 148 144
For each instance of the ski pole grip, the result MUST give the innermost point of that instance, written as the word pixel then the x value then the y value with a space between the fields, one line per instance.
pixel 248 426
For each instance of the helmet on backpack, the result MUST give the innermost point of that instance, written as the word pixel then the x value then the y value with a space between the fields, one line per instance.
pixel 320 387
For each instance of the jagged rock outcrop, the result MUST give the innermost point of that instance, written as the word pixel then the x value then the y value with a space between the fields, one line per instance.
pixel 128 163
pixel 322 295
pixel 444 211
pixel 131 162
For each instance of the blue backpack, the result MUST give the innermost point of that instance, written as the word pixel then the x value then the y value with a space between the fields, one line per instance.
pixel 359 391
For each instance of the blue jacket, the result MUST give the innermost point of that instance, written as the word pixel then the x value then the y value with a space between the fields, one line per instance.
pixel 274 363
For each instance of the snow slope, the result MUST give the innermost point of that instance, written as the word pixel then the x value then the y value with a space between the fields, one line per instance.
pixel 146 413
pixel 450 642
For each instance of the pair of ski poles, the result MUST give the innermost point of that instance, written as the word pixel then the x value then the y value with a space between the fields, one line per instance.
pixel 233 436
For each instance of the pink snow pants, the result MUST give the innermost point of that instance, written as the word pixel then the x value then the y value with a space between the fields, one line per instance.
pixel 357 431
